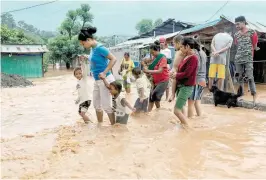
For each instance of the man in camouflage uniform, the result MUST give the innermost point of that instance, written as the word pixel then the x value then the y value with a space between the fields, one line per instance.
pixel 246 41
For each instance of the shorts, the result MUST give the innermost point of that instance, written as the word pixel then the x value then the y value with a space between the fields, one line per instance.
pixel 182 95
pixel 102 99
pixel 217 69
pixel 141 107
pixel 196 93
pixel 157 91
pixel 83 107
pixel 122 119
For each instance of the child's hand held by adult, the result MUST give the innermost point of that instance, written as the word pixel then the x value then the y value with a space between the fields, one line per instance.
pixel 102 75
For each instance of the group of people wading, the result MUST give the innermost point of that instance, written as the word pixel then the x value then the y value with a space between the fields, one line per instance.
pixel 187 78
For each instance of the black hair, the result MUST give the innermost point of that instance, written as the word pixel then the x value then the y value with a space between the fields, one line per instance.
pixel 191 43
pixel 136 71
pixel 117 85
pixel 87 32
pixel 241 19
pixel 155 46
pixel 178 38
pixel 77 69
pixel 126 54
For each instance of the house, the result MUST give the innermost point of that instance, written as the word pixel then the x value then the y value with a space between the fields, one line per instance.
pixel 24 60
pixel 167 27
pixel 204 33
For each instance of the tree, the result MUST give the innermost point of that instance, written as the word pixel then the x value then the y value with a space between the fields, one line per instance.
pixel 158 22
pixel 70 26
pixel 14 36
pixel 7 19
pixel 84 14
pixel 63 48
pixel 66 46
pixel 144 26
pixel 22 24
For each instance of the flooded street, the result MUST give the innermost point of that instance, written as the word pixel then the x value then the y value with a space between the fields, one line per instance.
pixel 44 137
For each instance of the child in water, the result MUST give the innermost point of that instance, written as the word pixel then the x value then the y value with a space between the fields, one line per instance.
pixel 120 104
pixel 141 104
pixel 83 99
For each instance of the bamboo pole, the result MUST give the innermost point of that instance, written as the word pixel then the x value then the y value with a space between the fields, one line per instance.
pixel 228 80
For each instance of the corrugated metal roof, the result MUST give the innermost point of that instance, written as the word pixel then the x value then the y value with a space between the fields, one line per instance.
pixel 201 26
pixel 256 26
pixel 23 48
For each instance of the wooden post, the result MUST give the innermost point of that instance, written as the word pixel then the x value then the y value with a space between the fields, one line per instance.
pixel 228 82
pixel 42 66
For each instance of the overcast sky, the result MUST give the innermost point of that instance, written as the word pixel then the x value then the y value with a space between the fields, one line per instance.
pixel 120 18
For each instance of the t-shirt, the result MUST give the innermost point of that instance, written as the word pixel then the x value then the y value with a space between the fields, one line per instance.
pixel 245 46
pixel 168 54
pixel 98 60
pixel 127 66
pixel 201 70
pixel 118 107
pixel 142 83
pixel 187 71
pixel 164 75
pixel 82 86
pixel 220 41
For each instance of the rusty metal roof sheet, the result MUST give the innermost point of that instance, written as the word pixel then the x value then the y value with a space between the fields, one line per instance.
pixel 23 48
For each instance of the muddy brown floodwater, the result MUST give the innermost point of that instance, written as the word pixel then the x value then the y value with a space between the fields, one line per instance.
pixel 43 137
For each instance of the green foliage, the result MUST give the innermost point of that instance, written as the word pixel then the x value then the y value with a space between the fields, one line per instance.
pixel 13 36
pixel 66 45
pixel 84 14
pixel 8 20
pixel 146 25
pixel 30 32
pixel 158 22
pixel 63 48
pixel 46 61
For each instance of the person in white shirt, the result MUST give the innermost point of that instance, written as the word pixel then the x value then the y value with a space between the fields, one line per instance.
pixel 221 42
pixel 168 54
pixel 141 104
pixel 84 99
pixel 121 106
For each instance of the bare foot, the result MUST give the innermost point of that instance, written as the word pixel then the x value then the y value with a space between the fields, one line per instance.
pixel 185 126
pixel 171 98
pixel 86 122
pixel 99 125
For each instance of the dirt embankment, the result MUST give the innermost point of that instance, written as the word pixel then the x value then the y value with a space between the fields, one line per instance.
pixel 13 80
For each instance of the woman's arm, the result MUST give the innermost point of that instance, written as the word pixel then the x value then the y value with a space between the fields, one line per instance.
pixel 160 70
pixel 112 62
pixel 107 54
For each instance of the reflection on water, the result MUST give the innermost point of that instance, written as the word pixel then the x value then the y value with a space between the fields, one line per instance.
pixel 224 143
